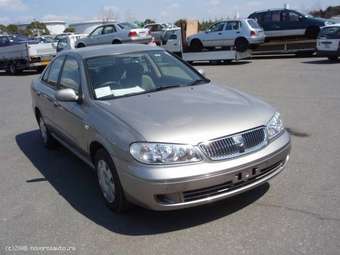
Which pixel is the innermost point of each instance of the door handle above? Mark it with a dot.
(219, 33)
(56, 104)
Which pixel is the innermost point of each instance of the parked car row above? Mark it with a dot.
(260, 27)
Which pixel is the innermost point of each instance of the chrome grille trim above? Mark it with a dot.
(226, 148)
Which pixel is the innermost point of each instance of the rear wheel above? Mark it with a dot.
(116, 42)
(241, 44)
(196, 45)
(13, 69)
(109, 182)
(81, 45)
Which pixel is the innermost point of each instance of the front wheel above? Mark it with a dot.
(241, 44)
(46, 136)
(109, 182)
(196, 45)
(333, 58)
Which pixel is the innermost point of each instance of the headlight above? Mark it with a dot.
(275, 126)
(160, 153)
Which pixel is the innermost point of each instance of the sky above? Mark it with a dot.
(20, 11)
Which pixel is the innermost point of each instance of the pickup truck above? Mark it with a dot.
(18, 56)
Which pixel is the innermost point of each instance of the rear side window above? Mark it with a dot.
(70, 76)
(109, 30)
(253, 24)
(232, 25)
(55, 71)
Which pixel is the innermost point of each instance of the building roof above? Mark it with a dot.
(91, 22)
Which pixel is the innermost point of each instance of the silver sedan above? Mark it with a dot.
(157, 132)
(115, 33)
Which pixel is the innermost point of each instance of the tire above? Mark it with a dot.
(13, 70)
(81, 45)
(40, 69)
(46, 137)
(116, 42)
(312, 32)
(196, 45)
(333, 58)
(241, 44)
(109, 183)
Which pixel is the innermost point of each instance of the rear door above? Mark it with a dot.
(70, 115)
(230, 33)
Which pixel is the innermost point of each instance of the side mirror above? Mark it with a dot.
(67, 95)
(301, 18)
(202, 72)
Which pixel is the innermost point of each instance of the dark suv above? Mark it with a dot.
(280, 23)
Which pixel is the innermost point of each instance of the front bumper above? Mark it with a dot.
(328, 53)
(173, 188)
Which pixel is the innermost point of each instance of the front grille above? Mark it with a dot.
(229, 186)
(227, 147)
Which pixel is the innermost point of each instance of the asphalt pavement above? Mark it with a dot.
(49, 199)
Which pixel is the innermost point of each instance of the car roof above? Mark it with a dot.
(275, 9)
(107, 50)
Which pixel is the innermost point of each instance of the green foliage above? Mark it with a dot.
(12, 29)
(205, 24)
(36, 28)
(330, 12)
(149, 21)
(70, 30)
(3, 28)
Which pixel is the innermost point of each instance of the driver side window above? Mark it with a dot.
(70, 76)
(96, 32)
(217, 27)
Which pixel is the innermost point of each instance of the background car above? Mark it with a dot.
(242, 34)
(156, 31)
(288, 23)
(328, 43)
(116, 33)
(68, 42)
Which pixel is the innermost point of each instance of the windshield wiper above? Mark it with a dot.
(164, 88)
(198, 81)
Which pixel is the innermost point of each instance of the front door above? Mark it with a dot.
(70, 115)
(214, 36)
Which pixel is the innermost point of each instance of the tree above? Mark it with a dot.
(70, 30)
(149, 21)
(37, 28)
(330, 12)
(3, 28)
(12, 29)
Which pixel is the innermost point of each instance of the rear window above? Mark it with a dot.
(330, 32)
(253, 24)
(127, 25)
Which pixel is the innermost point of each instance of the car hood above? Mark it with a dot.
(190, 114)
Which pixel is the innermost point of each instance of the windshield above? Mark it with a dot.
(330, 32)
(138, 73)
(127, 25)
